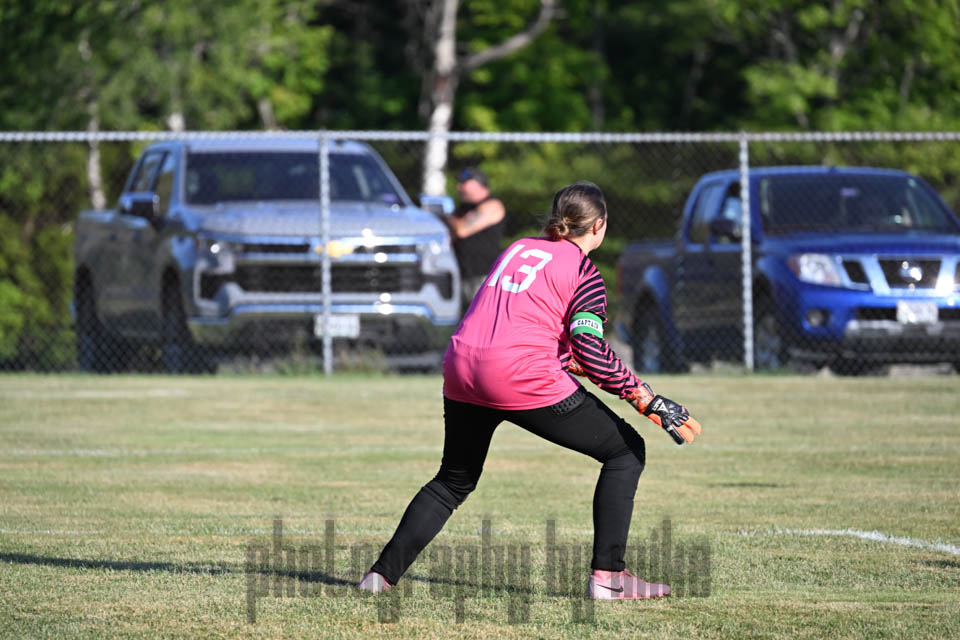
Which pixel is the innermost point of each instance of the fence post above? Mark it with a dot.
(325, 255)
(746, 252)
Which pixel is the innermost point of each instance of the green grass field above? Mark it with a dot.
(127, 506)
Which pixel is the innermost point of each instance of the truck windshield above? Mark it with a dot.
(258, 176)
(882, 203)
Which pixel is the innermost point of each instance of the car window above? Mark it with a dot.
(731, 203)
(359, 178)
(165, 182)
(916, 207)
(260, 176)
(850, 202)
(730, 210)
(143, 181)
(706, 205)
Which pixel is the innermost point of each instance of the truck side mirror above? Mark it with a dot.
(726, 228)
(142, 205)
(439, 205)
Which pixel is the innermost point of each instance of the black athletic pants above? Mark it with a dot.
(581, 422)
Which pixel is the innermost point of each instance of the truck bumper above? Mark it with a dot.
(865, 326)
(885, 341)
(405, 327)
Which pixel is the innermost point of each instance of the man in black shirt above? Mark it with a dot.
(477, 230)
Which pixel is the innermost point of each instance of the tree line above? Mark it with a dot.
(598, 65)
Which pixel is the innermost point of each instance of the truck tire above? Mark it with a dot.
(852, 367)
(90, 340)
(653, 350)
(180, 354)
(769, 345)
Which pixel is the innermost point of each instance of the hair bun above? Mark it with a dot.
(575, 208)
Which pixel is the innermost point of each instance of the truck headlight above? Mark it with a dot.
(432, 250)
(816, 268)
(439, 245)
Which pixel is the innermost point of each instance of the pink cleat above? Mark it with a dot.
(374, 583)
(622, 585)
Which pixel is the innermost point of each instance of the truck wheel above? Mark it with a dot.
(769, 346)
(653, 351)
(847, 367)
(180, 354)
(90, 343)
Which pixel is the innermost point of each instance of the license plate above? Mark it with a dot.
(342, 325)
(910, 312)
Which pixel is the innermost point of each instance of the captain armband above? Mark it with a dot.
(586, 322)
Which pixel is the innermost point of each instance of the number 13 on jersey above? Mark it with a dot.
(529, 269)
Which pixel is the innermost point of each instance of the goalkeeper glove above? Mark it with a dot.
(570, 365)
(670, 416)
(574, 367)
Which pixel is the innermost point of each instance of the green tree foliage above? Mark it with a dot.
(35, 253)
(117, 65)
(539, 88)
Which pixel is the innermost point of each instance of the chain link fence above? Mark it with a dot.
(303, 251)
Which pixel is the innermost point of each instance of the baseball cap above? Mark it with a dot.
(471, 173)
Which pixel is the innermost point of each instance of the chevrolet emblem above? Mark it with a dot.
(335, 249)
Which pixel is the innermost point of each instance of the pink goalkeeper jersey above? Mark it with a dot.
(510, 347)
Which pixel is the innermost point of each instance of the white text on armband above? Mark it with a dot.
(586, 322)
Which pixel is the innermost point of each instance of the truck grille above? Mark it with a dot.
(308, 279)
(304, 247)
(262, 247)
(855, 272)
(359, 278)
(900, 273)
(876, 313)
(387, 248)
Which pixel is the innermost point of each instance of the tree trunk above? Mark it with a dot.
(88, 94)
(906, 80)
(595, 92)
(94, 173)
(446, 77)
(441, 97)
(267, 117)
(700, 56)
(176, 122)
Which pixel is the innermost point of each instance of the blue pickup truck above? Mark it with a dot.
(853, 268)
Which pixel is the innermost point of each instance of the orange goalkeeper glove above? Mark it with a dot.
(570, 365)
(670, 416)
(574, 367)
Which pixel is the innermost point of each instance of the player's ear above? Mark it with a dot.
(598, 224)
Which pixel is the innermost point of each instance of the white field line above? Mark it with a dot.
(873, 536)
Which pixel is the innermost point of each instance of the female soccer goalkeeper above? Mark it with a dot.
(537, 318)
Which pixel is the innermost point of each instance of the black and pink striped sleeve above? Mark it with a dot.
(598, 361)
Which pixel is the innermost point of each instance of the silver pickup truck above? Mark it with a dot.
(215, 246)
